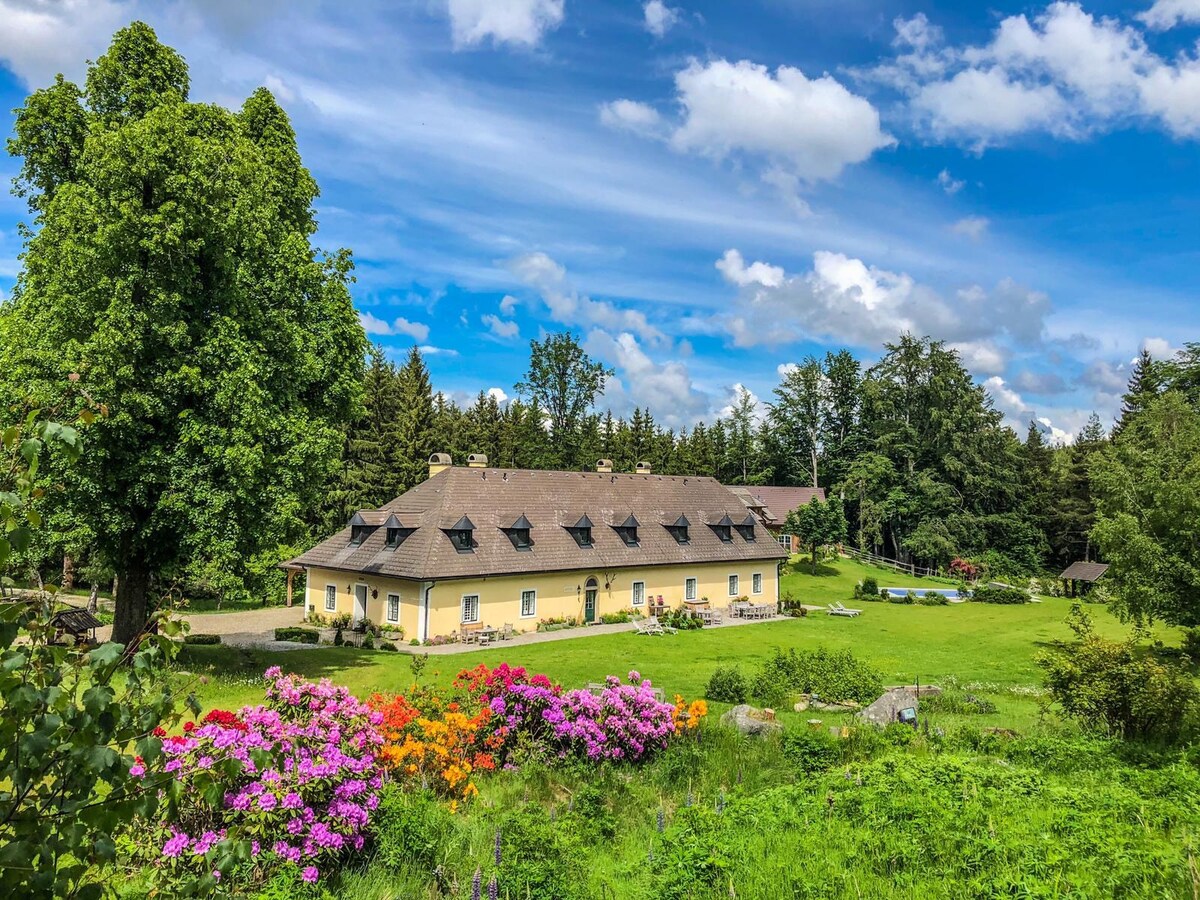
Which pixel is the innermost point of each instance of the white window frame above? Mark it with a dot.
(735, 585)
(463, 610)
(756, 583)
(689, 588)
(331, 594)
(784, 541)
(633, 594)
(388, 608)
(533, 606)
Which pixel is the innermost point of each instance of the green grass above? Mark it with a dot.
(992, 648)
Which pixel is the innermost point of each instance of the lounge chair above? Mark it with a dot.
(650, 626)
(836, 609)
(507, 631)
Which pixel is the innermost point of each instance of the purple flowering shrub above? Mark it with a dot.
(621, 722)
(291, 783)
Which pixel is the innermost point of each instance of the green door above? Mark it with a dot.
(589, 602)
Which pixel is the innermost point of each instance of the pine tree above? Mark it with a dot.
(415, 431)
(1145, 385)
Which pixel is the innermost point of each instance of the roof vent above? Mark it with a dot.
(604, 465)
(643, 468)
(439, 462)
(477, 460)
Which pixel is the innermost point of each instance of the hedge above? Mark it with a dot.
(202, 639)
(1007, 595)
(297, 635)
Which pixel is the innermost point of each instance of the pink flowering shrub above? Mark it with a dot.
(289, 783)
(621, 722)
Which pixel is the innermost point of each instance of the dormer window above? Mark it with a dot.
(396, 532)
(679, 530)
(746, 529)
(360, 529)
(627, 531)
(518, 533)
(723, 530)
(462, 535)
(581, 531)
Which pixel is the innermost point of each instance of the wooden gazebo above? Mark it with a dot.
(1087, 573)
(75, 622)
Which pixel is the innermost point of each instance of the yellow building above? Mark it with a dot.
(478, 545)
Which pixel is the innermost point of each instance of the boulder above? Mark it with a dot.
(827, 706)
(750, 720)
(886, 709)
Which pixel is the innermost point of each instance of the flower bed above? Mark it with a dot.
(291, 783)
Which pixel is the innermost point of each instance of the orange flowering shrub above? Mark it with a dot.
(688, 716)
(438, 748)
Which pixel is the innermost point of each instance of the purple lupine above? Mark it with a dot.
(662, 821)
(476, 885)
(720, 802)
(493, 889)
(496, 848)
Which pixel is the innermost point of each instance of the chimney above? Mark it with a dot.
(439, 462)
(643, 468)
(604, 465)
(477, 460)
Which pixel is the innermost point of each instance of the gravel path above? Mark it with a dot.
(252, 628)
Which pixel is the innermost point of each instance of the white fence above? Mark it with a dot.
(886, 562)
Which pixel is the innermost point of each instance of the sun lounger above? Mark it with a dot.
(650, 626)
(836, 609)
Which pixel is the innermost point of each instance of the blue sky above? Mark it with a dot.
(706, 192)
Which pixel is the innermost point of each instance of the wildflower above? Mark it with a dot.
(662, 821)
(496, 849)
(493, 889)
(476, 885)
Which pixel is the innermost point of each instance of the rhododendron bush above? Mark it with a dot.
(289, 783)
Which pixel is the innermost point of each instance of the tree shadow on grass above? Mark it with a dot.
(243, 662)
(823, 570)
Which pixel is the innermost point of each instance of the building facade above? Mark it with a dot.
(772, 504)
(478, 545)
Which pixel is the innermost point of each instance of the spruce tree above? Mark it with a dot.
(416, 438)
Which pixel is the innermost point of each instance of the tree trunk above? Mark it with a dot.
(68, 578)
(133, 605)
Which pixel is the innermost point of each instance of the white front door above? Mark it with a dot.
(360, 602)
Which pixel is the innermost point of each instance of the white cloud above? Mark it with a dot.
(1018, 413)
(812, 127)
(501, 328)
(518, 22)
(499, 394)
(374, 325)
(659, 17)
(982, 357)
(971, 226)
(1106, 377)
(785, 369)
(1064, 72)
(844, 299)
(1166, 14)
(949, 183)
(630, 115)
(429, 350)
(570, 307)
(508, 304)
(40, 38)
(1159, 348)
(666, 387)
(735, 270)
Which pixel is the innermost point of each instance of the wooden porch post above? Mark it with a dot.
(291, 576)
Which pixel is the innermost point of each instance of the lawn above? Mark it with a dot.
(991, 648)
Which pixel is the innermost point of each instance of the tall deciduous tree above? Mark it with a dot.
(798, 417)
(171, 266)
(562, 381)
(818, 523)
(1146, 484)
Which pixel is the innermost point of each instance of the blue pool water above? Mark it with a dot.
(948, 593)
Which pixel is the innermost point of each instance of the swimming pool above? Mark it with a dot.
(948, 593)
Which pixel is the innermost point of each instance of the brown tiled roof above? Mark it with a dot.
(494, 498)
(776, 502)
(1084, 571)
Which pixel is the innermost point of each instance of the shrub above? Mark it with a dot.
(297, 635)
(727, 685)
(908, 598)
(341, 621)
(202, 640)
(933, 598)
(681, 620)
(615, 618)
(538, 859)
(1191, 645)
(1004, 595)
(811, 750)
(1112, 686)
(291, 784)
(870, 587)
(411, 829)
(835, 675)
(338, 638)
(958, 703)
(388, 645)
(415, 642)
(368, 642)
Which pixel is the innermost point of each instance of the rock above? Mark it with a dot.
(826, 706)
(801, 706)
(749, 720)
(886, 709)
(927, 690)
